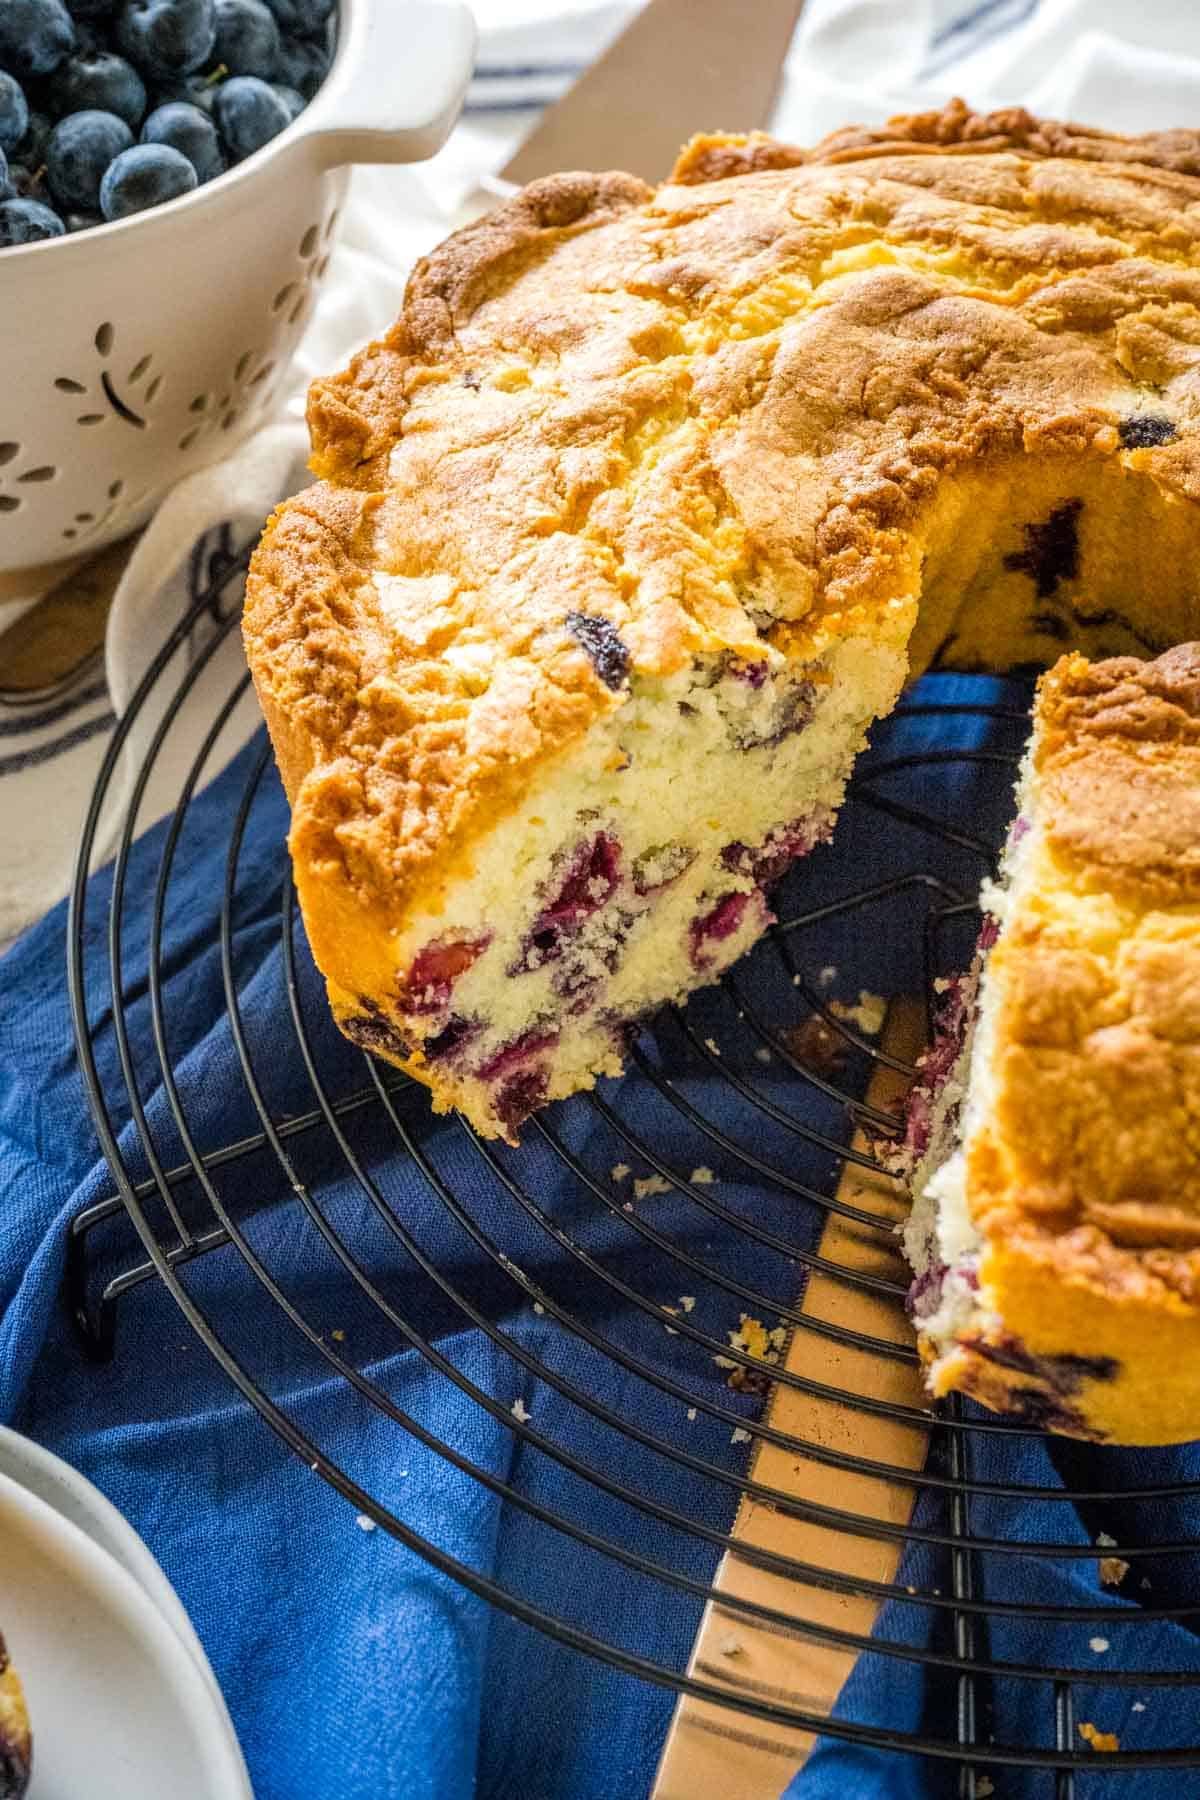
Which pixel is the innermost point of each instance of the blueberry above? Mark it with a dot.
(14, 111)
(302, 64)
(247, 38)
(91, 35)
(603, 645)
(191, 132)
(98, 80)
(190, 90)
(35, 35)
(249, 113)
(291, 99)
(27, 222)
(301, 17)
(7, 186)
(1142, 431)
(32, 148)
(147, 175)
(80, 149)
(166, 38)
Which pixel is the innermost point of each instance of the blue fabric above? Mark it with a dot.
(1145, 1717)
(351, 1665)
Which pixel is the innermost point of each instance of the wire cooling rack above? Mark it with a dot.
(732, 1081)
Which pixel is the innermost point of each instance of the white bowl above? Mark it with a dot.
(119, 1708)
(49, 1479)
(138, 351)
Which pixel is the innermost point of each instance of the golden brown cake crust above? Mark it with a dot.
(1120, 760)
(589, 405)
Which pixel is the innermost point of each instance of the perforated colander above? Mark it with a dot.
(138, 351)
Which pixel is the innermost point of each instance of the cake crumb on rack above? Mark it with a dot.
(762, 1054)
(827, 976)
(691, 1413)
(363, 1523)
(1139, 1706)
(620, 1172)
(339, 1337)
(712, 1046)
(688, 1302)
(749, 1381)
(702, 1176)
(650, 1184)
(983, 1787)
(730, 1644)
(740, 1435)
(868, 1014)
(520, 1412)
(816, 1046)
(1113, 1569)
(753, 1337)
(539, 1309)
(1099, 1740)
(1098, 1645)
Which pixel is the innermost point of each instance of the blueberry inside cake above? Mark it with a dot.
(650, 503)
(16, 1744)
(1053, 1138)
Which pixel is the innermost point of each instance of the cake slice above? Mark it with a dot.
(16, 1743)
(632, 869)
(1053, 1136)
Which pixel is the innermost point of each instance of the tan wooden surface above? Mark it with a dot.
(713, 1753)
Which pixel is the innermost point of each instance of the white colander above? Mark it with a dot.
(135, 352)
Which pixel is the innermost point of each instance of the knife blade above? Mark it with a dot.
(680, 66)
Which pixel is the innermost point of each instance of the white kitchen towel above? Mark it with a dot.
(1129, 64)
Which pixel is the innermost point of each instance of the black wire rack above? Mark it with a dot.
(726, 1081)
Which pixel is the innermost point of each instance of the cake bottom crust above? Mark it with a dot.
(1072, 1355)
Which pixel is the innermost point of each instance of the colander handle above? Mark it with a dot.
(397, 83)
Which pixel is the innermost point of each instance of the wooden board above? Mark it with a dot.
(710, 1750)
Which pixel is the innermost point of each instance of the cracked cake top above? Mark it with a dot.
(717, 416)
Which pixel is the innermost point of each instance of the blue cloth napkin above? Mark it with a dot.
(352, 1666)
(1142, 1717)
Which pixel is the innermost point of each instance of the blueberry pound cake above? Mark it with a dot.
(1055, 1129)
(16, 1744)
(650, 503)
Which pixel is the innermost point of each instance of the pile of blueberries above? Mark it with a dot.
(110, 106)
